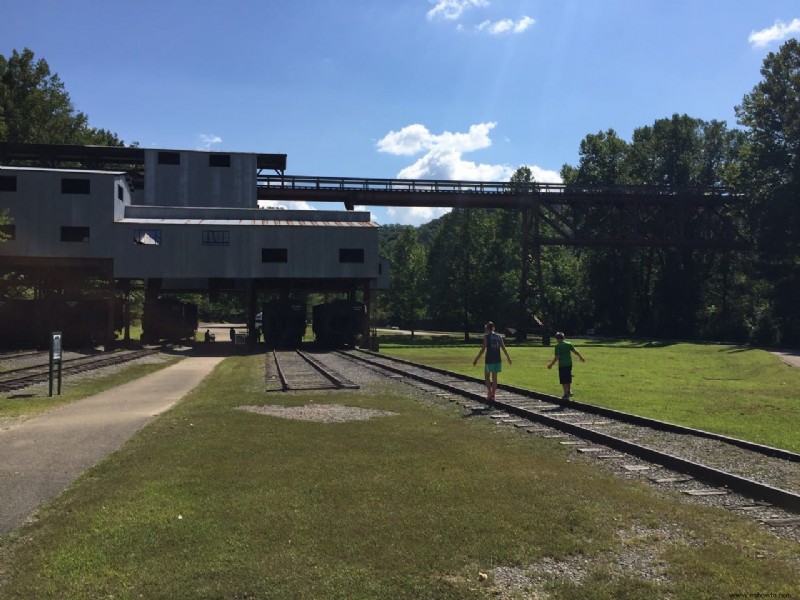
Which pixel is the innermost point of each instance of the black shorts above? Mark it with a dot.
(565, 374)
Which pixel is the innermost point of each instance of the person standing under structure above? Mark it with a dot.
(492, 345)
(563, 354)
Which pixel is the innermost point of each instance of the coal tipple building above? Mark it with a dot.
(176, 221)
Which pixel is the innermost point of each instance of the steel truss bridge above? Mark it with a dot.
(553, 214)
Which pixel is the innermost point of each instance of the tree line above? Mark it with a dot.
(472, 265)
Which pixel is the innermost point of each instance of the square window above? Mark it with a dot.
(169, 158)
(147, 237)
(219, 160)
(216, 237)
(8, 183)
(75, 186)
(351, 255)
(75, 234)
(274, 255)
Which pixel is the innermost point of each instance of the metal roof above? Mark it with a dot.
(51, 170)
(109, 155)
(249, 222)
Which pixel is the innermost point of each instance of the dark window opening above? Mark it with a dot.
(8, 232)
(351, 255)
(169, 158)
(213, 237)
(75, 186)
(219, 160)
(120, 193)
(75, 234)
(8, 183)
(147, 237)
(274, 255)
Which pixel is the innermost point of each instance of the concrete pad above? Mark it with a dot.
(40, 457)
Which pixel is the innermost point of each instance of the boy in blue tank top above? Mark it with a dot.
(492, 345)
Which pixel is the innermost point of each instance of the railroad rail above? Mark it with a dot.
(15, 379)
(17, 354)
(298, 370)
(671, 446)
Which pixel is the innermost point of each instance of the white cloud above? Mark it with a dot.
(206, 141)
(443, 154)
(415, 215)
(451, 10)
(416, 138)
(545, 175)
(446, 164)
(442, 158)
(506, 26)
(523, 24)
(779, 31)
(287, 205)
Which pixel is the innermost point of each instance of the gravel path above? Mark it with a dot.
(790, 357)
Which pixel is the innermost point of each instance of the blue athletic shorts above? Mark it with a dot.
(565, 374)
(494, 367)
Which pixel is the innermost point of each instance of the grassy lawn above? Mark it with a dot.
(740, 392)
(213, 502)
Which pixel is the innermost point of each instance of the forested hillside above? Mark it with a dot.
(468, 265)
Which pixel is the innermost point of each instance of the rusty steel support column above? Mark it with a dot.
(523, 317)
(109, 343)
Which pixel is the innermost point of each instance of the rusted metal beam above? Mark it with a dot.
(657, 216)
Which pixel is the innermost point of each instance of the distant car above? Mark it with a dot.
(591, 331)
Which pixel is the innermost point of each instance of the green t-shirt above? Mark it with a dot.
(564, 353)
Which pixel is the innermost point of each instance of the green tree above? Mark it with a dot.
(5, 219)
(633, 290)
(608, 274)
(771, 112)
(524, 226)
(463, 274)
(603, 160)
(408, 269)
(36, 108)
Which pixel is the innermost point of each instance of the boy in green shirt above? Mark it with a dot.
(563, 354)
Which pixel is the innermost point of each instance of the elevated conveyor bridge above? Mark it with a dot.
(555, 214)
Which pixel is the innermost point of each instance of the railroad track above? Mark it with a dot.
(297, 370)
(23, 377)
(17, 354)
(696, 459)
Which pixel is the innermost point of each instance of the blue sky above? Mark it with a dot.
(434, 89)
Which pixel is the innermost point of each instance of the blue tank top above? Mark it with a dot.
(493, 341)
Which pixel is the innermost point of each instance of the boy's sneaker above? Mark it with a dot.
(565, 396)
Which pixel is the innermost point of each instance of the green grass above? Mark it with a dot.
(212, 502)
(741, 392)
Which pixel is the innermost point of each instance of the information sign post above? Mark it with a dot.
(55, 359)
